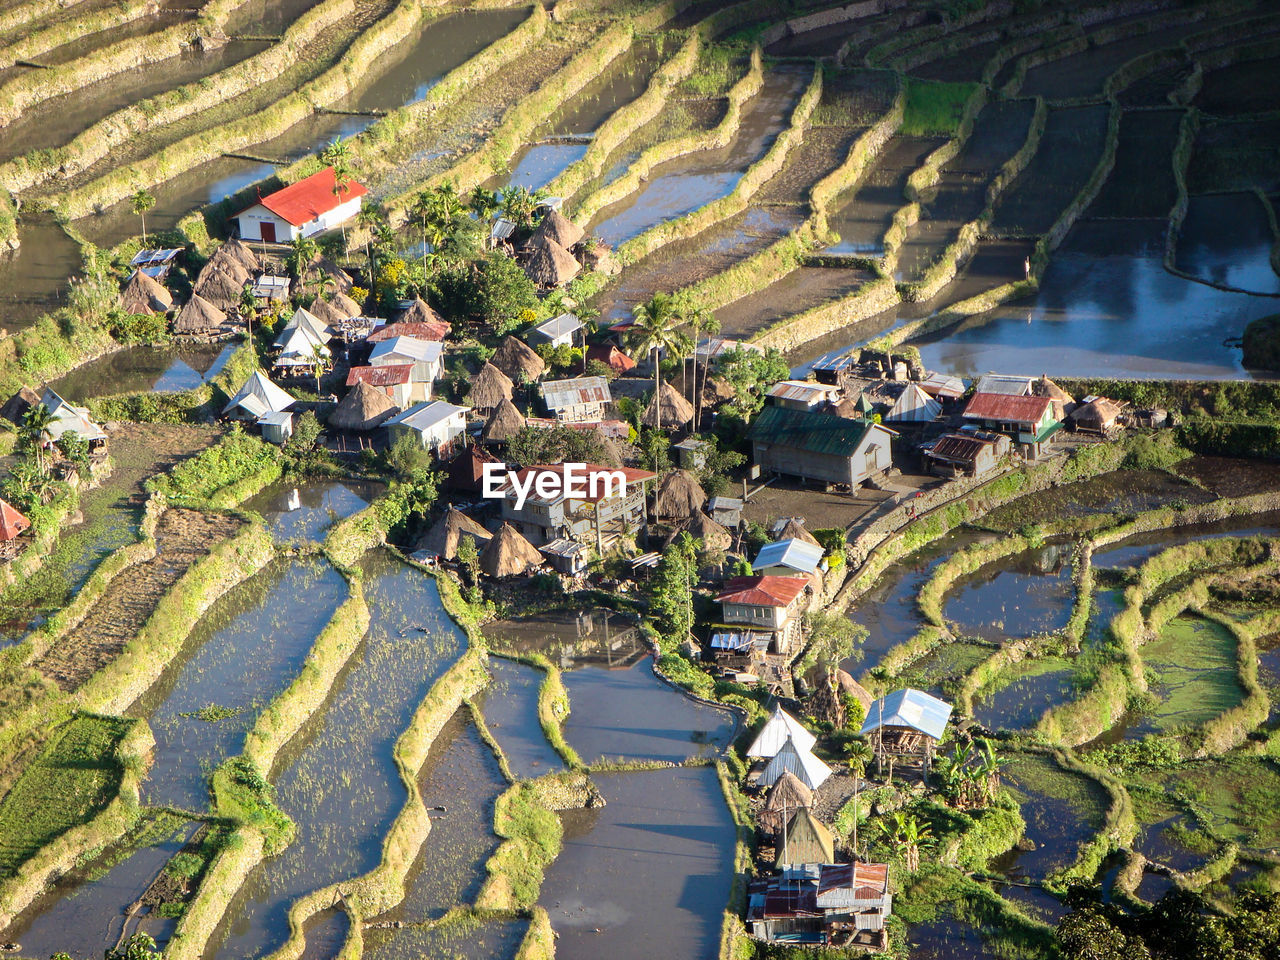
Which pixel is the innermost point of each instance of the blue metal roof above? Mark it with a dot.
(908, 708)
(796, 554)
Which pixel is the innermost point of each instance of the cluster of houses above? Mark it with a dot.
(812, 890)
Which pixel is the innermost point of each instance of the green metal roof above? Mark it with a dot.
(811, 432)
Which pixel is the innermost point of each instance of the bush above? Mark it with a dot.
(137, 328)
(236, 457)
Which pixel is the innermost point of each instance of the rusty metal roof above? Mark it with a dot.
(560, 394)
(999, 406)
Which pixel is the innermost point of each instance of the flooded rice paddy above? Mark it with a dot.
(1062, 810)
(487, 939)
(1032, 689)
(1226, 240)
(510, 707)
(174, 367)
(306, 511)
(1022, 596)
(35, 277)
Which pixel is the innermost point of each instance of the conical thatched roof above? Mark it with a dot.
(198, 316)
(219, 287)
(794, 529)
(505, 423)
(555, 226)
(16, 407)
(490, 388)
(667, 409)
(550, 265)
(345, 305)
(229, 264)
(443, 538)
(785, 797)
(517, 360)
(144, 294)
(679, 495)
(240, 252)
(420, 312)
(327, 312)
(509, 554)
(702, 527)
(365, 407)
(612, 454)
(323, 265)
(1044, 387)
(847, 409)
(808, 840)
(856, 690)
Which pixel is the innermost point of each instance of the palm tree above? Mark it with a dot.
(987, 773)
(657, 331)
(249, 305)
(483, 203)
(519, 204)
(341, 180)
(142, 201)
(300, 257)
(34, 424)
(319, 363)
(909, 836)
(420, 207)
(858, 756)
(703, 322)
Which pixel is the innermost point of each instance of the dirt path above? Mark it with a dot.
(182, 537)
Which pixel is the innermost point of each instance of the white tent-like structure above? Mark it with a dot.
(305, 320)
(258, 396)
(801, 763)
(780, 728)
(914, 406)
(300, 348)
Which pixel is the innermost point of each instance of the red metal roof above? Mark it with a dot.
(385, 376)
(869, 881)
(310, 197)
(611, 355)
(12, 522)
(998, 406)
(765, 591)
(419, 331)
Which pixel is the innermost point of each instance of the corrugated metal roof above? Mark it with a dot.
(942, 385)
(310, 197)
(908, 708)
(851, 885)
(811, 771)
(1007, 384)
(802, 390)
(560, 394)
(811, 432)
(560, 326)
(957, 448)
(419, 351)
(763, 591)
(796, 554)
(388, 375)
(780, 727)
(424, 416)
(1005, 408)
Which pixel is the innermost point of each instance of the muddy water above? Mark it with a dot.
(1121, 491)
(572, 638)
(491, 939)
(462, 778)
(1106, 307)
(1159, 843)
(1134, 551)
(675, 265)
(404, 75)
(317, 507)
(947, 939)
(510, 705)
(959, 198)
(862, 222)
(175, 367)
(1137, 186)
(244, 651)
(1020, 596)
(87, 44)
(888, 610)
(687, 183)
(58, 120)
(1226, 239)
(1037, 686)
(85, 917)
(799, 290)
(648, 874)
(539, 165)
(34, 279)
(337, 780)
(1062, 810)
(940, 670)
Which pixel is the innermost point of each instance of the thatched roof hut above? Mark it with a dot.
(1099, 415)
(509, 554)
(443, 538)
(794, 529)
(854, 689)
(321, 266)
(808, 840)
(550, 265)
(219, 287)
(364, 408)
(198, 317)
(559, 229)
(240, 252)
(786, 796)
(327, 312)
(1044, 387)
(229, 264)
(16, 407)
(504, 424)
(702, 527)
(517, 360)
(667, 409)
(145, 295)
(489, 389)
(345, 305)
(679, 496)
(420, 312)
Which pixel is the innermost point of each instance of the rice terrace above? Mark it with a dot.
(639, 479)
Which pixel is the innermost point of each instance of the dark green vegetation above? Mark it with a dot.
(1262, 343)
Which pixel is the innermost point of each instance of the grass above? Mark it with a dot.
(1193, 668)
(934, 107)
(236, 458)
(75, 776)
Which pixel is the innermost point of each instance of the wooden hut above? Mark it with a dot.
(906, 725)
(364, 408)
(145, 295)
(443, 538)
(239, 251)
(16, 407)
(198, 317)
(679, 496)
(327, 313)
(785, 797)
(345, 305)
(220, 288)
(1099, 415)
(701, 527)
(229, 264)
(518, 361)
(420, 312)
(418, 331)
(806, 840)
(322, 266)
(505, 422)
(559, 229)
(490, 388)
(667, 409)
(851, 687)
(550, 265)
(508, 554)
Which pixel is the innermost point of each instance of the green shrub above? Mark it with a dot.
(233, 459)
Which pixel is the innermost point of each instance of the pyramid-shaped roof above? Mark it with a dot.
(908, 708)
(258, 396)
(365, 407)
(811, 771)
(12, 522)
(780, 728)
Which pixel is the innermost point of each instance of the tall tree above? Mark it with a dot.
(142, 201)
(657, 331)
(303, 251)
(34, 423)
